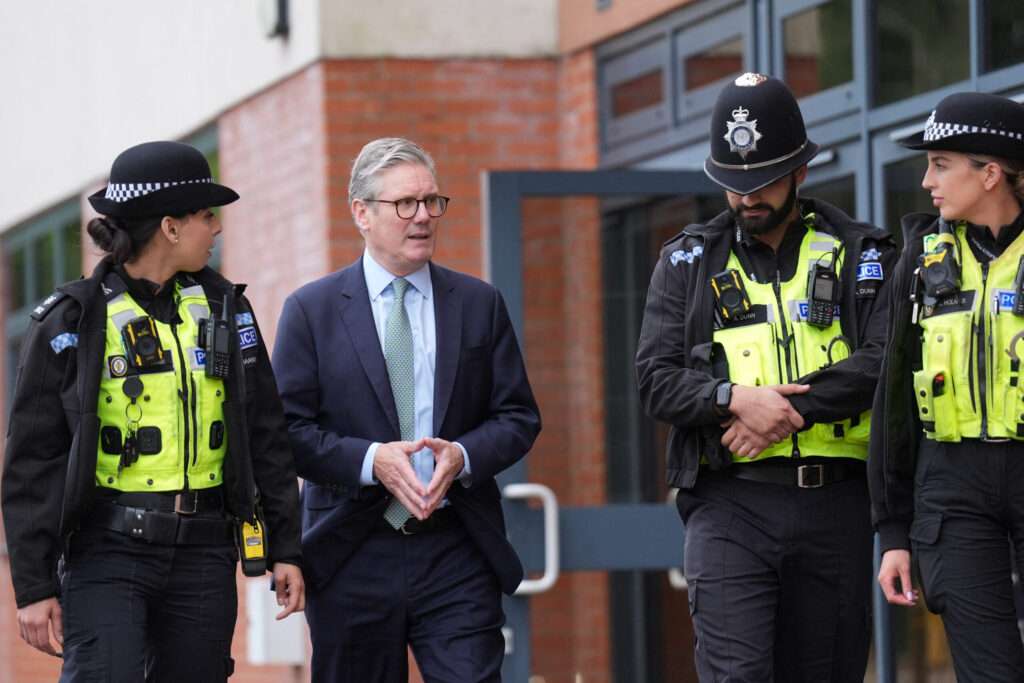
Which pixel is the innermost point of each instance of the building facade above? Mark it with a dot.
(281, 100)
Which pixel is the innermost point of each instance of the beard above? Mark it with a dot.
(771, 220)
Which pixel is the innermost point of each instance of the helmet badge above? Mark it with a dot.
(741, 134)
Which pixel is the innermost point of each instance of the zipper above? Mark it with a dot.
(982, 366)
(183, 392)
(970, 366)
(786, 339)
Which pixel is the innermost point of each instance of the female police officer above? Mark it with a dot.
(145, 429)
(952, 376)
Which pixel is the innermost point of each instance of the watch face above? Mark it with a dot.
(723, 395)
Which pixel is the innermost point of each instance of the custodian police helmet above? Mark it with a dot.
(757, 134)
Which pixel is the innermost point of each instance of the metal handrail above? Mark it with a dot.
(551, 545)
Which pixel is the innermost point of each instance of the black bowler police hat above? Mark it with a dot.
(974, 123)
(160, 179)
(757, 134)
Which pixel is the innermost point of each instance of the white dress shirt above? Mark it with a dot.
(419, 305)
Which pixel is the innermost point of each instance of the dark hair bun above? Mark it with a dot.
(110, 236)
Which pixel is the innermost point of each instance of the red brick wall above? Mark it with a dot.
(564, 330)
(288, 151)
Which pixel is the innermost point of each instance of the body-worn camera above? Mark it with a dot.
(731, 300)
(940, 270)
(142, 344)
(821, 294)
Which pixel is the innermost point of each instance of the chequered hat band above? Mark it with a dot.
(122, 192)
(935, 130)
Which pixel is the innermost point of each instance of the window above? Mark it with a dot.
(840, 193)
(709, 54)
(718, 62)
(920, 45)
(903, 191)
(637, 93)
(1003, 26)
(635, 98)
(38, 256)
(818, 48)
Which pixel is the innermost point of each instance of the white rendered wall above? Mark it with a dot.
(440, 28)
(80, 80)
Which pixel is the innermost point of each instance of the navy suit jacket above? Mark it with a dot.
(337, 400)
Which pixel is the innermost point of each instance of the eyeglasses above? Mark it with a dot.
(406, 207)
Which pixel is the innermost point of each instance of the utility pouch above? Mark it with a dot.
(936, 404)
(252, 545)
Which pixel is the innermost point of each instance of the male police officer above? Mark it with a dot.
(761, 344)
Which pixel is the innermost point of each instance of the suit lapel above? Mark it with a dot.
(448, 328)
(358, 318)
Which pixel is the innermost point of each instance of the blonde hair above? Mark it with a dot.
(1013, 169)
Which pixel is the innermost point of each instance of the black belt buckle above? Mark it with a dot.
(810, 476)
(181, 502)
(411, 527)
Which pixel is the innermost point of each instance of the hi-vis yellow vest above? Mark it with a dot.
(969, 382)
(778, 346)
(180, 409)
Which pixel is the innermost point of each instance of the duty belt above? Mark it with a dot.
(810, 476)
(183, 502)
(163, 528)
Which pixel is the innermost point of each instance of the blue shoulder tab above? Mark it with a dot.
(40, 311)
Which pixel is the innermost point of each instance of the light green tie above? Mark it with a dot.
(398, 355)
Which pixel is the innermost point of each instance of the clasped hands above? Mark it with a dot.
(761, 416)
(392, 467)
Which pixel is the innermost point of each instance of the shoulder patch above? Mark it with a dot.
(63, 341)
(870, 254)
(689, 256)
(47, 304)
(242, 319)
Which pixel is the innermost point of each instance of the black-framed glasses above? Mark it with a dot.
(406, 207)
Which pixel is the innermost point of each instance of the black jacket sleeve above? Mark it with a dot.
(273, 465)
(38, 442)
(846, 389)
(670, 389)
(895, 428)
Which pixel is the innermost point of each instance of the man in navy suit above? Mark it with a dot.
(405, 393)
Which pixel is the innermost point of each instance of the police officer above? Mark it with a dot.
(947, 443)
(145, 437)
(761, 342)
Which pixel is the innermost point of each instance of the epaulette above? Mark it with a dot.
(47, 305)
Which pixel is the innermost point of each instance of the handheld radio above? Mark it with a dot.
(821, 293)
(215, 338)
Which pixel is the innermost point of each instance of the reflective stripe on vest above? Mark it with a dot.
(778, 346)
(192, 438)
(969, 382)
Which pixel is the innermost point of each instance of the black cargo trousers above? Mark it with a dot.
(968, 528)
(156, 609)
(779, 578)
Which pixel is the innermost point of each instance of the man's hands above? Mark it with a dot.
(762, 416)
(36, 621)
(392, 468)
(290, 588)
(448, 464)
(896, 566)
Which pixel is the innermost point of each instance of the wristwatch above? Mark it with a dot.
(723, 397)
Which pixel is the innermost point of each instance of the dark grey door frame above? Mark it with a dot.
(608, 537)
